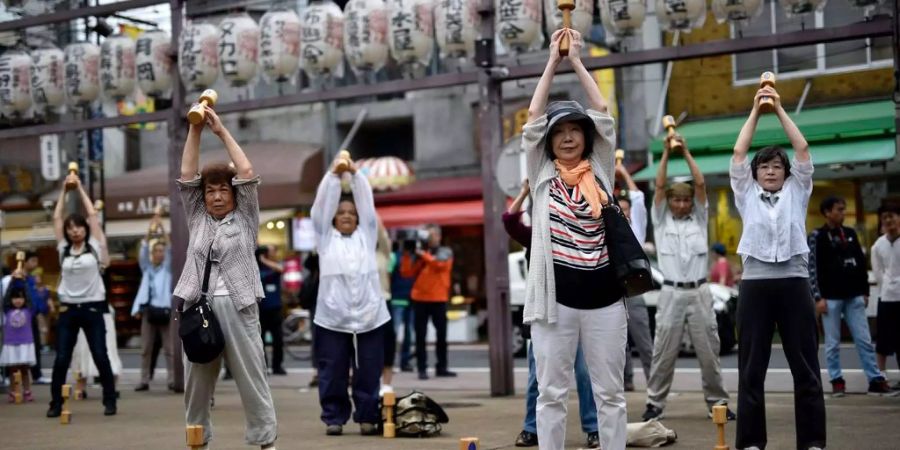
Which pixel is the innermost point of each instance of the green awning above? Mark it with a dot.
(823, 154)
(854, 121)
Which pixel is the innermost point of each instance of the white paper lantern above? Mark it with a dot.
(411, 30)
(623, 17)
(238, 47)
(154, 65)
(15, 82)
(518, 23)
(198, 55)
(386, 173)
(48, 77)
(865, 4)
(279, 44)
(117, 66)
(456, 24)
(801, 7)
(582, 16)
(322, 39)
(680, 15)
(82, 67)
(365, 34)
(736, 10)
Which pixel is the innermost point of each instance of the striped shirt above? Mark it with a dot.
(585, 279)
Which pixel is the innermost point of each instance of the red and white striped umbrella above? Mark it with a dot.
(386, 173)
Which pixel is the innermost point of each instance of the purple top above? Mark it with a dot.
(520, 232)
(17, 327)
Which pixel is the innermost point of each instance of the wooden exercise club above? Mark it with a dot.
(73, 170)
(468, 443)
(197, 114)
(674, 143)
(767, 104)
(66, 416)
(16, 386)
(566, 6)
(194, 436)
(388, 402)
(720, 418)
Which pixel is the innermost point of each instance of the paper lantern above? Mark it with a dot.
(582, 16)
(279, 44)
(736, 10)
(456, 24)
(623, 17)
(82, 68)
(865, 4)
(322, 39)
(154, 65)
(518, 23)
(680, 15)
(15, 82)
(198, 55)
(365, 34)
(801, 7)
(47, 77)
(411, 30)
(117, 66)
(386, 173)
(238, 48)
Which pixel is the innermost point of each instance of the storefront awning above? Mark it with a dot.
(823, 154)
(451, 213)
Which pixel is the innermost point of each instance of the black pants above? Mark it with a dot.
(270, 320)
(335, 357)
(787, 304)
(437, 311)
(36, 332)
(87, 317)
(390, 339)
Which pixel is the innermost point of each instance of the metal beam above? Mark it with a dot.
(76, 13)
(879, 27)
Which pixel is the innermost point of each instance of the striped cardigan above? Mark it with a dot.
(540, 297)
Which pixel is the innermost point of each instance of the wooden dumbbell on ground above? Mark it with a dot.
(197, 114)
(674, 144)
(80, 386)
(194, 435)
(468, 443)
(388, 402)
(566, 6)
(17, 387)
(66, 416)
(720, 418)
(767, 104)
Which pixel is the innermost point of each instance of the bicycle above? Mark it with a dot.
(296, 330)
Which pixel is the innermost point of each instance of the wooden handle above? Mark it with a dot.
(194, 436)
(197, 114)
(620, 156)
(468, 443)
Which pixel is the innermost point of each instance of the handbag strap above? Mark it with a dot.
(206, 269)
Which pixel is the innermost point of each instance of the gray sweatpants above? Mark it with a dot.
(639, 332)
(677, 306)
(245, 359)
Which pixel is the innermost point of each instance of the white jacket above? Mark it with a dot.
(350, 297)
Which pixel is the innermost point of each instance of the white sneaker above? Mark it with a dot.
(385, 388)
(42, 380)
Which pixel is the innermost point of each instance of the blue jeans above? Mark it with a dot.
(854, 313)
(402, 316)
(587, 409)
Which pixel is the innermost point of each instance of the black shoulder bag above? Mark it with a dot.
(626, 253)
(201, 335)
(155, 315)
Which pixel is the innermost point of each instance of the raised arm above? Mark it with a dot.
(516, 205)
(58, 213)
(745, 137)
(325, 206)
(659, 194)
(93, 220)
(622, 173)
(699, 181)
(365, 207)
(798, 142)
(235, 152)
(190, 156)
(542, 90)
(598, 103)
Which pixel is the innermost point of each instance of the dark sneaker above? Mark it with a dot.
(629, 386)
(593, 440)
(838, 387)
(314, 382)
(896, 386)
(334, 430)
(445, 374)
(54, 411)
(368, 429)
(109, 409)
(142, 387)
(423, 375)
(652, 412)
(526, 439)
(406, 368)
(279, 371)
(880, 387)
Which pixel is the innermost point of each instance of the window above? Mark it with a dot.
(809, 60)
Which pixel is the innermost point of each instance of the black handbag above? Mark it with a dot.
(201, 335)
(626, 253)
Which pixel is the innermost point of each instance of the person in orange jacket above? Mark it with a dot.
(429, 296)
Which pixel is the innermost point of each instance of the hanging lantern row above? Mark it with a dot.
(411, 30)
(238, 48)
(48, 78)
(736, 11)
(623, 17)
(365, 34)
(82, 69)
(117, 66)
(279, 44)
(153, 64)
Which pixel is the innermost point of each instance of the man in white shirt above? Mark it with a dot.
(680, 225)
(886, 268)
(638, 318)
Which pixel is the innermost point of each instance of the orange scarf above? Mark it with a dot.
(582, 175)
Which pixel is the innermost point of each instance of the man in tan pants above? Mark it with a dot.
(152, 306)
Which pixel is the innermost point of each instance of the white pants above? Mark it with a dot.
(603, 334)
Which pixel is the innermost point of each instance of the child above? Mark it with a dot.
(18, 341)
